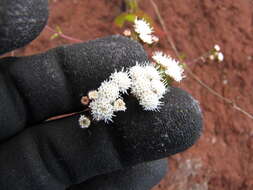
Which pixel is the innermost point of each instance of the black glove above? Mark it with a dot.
(55, 155)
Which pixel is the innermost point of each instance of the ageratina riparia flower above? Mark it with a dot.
(150, 102)
(119, 105)
(216, 54)
(171, 66)
(108, 90)
(145, 83)
(107, 96)
(121, 80)
(144, 31)
(84, 121)
(136, 72)
(146, 38)
(102, 109)
(217, 47)
(152, 73)
(143, 80)
(142, 27)
(158, 88)
(220, 56)
(93, 94)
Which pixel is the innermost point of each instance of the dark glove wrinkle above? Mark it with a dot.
(13, 111)
(21, 21)
(139, 177)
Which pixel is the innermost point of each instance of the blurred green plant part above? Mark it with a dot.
(142, 15)
(131, 14)
(57, 34)
(132, 5)
(122, 18)
(182, 57)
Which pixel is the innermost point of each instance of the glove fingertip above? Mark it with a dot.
(145, 136)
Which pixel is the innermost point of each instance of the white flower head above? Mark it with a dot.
(220, 56)
(155, 38)
(217, 47)
(146, 38)
(147, 86)
(158, 88)
(101, 109)
(93, 94)
(172, 66)
(212, 57)
(152, 73)
(122, 80)
(119, 105)
(163, 59)
(144, 30)
(140, 87)
(175, 72)
(142, 27)
(127, 32)
(150, 102)
(108, 90)
(136, 72)
(145, 83)
(84, 121)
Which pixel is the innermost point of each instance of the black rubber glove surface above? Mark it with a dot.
(55, 155)
(21, 21)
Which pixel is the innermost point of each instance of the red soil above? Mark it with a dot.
(223, 157)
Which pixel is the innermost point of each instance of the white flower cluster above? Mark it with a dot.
(147, 86)
(145, 83)
(106, 100)
(217, 54)
(171, 66)
(144, 31)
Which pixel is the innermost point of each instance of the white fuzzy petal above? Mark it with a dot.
(142, 27)
(122, 80)
(108, 90)
(101, 109)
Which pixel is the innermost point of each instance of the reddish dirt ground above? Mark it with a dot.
(223, 157)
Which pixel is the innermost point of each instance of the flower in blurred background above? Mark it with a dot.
(144, 31)
(170, 66)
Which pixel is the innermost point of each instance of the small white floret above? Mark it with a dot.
(119, 105)
(220, 56)
(146, 38)
(172, 67)
(147, 86)
(152, 73)
(101, 109)
(175, 72)
(108, 90)
(122, 80)
(155, 39)
(142, 27)
(93, 95)
(163, 59)
(144, 30)
(158, 88)
(212, 57)
(217, 47)
(150, 102)
(136, 72)
(84, 121)
(127, 32)
(140, 87)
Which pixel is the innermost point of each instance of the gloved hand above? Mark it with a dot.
(58, 155)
